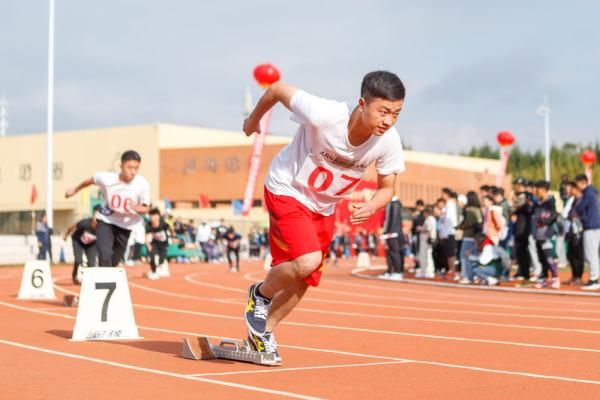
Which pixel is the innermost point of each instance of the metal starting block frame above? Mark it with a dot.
(71, 300)
(199, 348)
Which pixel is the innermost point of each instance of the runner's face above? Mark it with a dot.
(154, 219)
(129, 169)
(379, 115)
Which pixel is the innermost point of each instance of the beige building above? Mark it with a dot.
(181, 164)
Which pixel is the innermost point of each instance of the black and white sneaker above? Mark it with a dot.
(591, 285)
(257, 311)
(265, 344)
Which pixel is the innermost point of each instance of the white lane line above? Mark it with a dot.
(309, 298)
(156, 371)
(385, 286)
(376, 331)
(261, 371)
(370, 356)
(384, 317)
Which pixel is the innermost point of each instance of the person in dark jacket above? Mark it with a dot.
(544, 218)
(573, 234)
(522, 228)
(587, 209)
(394, 239)
(83, 240)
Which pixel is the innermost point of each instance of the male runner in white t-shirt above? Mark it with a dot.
(325, 161)
(124, 196)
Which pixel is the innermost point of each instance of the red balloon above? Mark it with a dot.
(505, 138)
(266, 74)
(588, 157)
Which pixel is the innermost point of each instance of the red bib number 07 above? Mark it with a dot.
(321, 179)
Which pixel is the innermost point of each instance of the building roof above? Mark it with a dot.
(171, 136)
(179, 137)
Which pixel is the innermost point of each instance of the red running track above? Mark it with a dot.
(349, 339)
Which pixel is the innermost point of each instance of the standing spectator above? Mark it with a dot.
(536, 265)
(484, 190)
(573, 234)
(42, 231)
(439, 258)
(191, 231)
(264, 243)
(233, 247)
(449, 221)
(427, 236)
(587, 209)
(136, 240)
(203, 233)
(372, 243)
(471, 226)
(418, 219)
(522, 229)
(253, 244)
(544, 217)
(564, 192)
(392, 229)
(506, 232)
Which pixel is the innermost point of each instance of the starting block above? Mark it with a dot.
(199, 348)
(70, 300)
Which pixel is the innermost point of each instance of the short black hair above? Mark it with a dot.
(154, 211)
(542, 185)
(420, 202)
(570, 183)
(131, 155)
(484, 188)
(581, 177)
(497, 191)
(382, 84)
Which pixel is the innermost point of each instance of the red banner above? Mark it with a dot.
(34, 195)
(363, 193)
(255, 161)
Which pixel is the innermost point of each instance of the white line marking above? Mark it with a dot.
(330, 351)
(156, 371)
(375, 331)
(387, 317)
(411, 308)
(261, 371)
(386, 286)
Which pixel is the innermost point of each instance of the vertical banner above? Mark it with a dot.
(502, 168)
(255, 161)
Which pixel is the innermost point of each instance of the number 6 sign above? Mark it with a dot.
(105, 311)
(36, 282)
(316, 175)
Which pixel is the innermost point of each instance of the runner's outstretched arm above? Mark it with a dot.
(69, 230)
(383, 195)
(278, 92)
(73, 191)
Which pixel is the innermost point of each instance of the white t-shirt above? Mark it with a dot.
(449, 219)
(320, 166)
(118, 197)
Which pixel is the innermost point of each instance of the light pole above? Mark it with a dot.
(544, 111)
(50, 122)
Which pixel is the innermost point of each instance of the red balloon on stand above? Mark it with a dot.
(505, 138)
(266, 74)
(588, 157)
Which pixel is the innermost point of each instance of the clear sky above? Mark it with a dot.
(471, 68)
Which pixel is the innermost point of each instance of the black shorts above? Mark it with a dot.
(449, 246)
